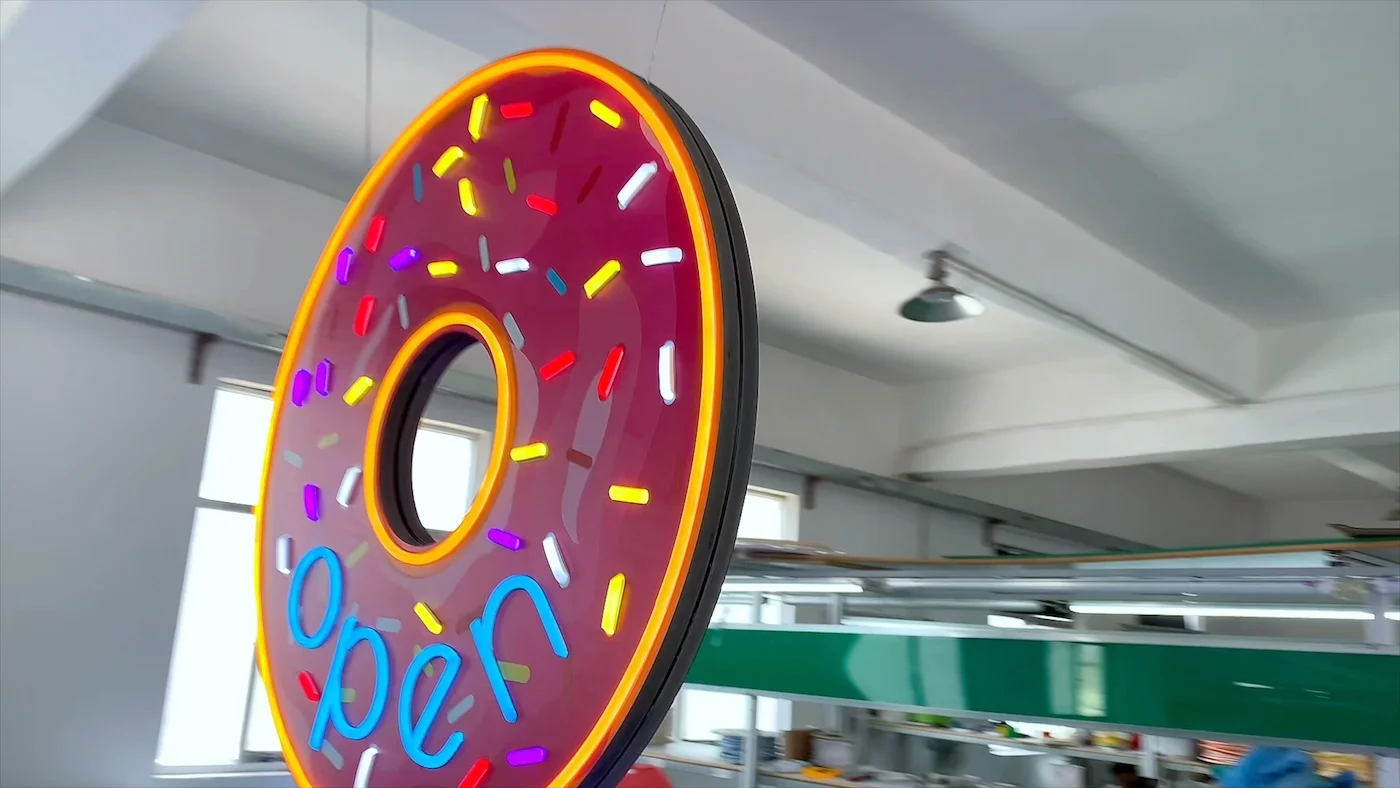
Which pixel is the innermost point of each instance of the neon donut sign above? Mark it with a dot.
(571, 219)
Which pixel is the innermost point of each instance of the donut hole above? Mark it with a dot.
(430, 470)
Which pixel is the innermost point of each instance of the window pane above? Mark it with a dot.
(762, 517)
(262, 732)
(213, 654)
(233, 456)
(442, 478)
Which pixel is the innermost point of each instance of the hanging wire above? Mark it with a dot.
(369, 83)
(656, 41)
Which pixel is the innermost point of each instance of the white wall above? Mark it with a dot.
(1309, 519)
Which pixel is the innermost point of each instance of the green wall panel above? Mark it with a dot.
(1351, 698)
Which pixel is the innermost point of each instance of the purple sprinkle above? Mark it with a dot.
(342, 265)
(311, 498)
(404, 257)
(507, 540)
(301, 387)
(528, 756)
(323, 377)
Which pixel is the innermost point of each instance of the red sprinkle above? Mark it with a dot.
(308, 686)
(579, 458)
(560, 363)
(543, 205)
(520, 109)
(610, 369)
(374, 234)
(476, 774)
(363, 314)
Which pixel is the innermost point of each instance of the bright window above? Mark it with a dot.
(699, 713)
(216, 709)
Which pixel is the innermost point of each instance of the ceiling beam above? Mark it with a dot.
(1364, 467)
(60, 61)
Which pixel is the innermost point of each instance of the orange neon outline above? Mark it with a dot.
(492, 335)
(652, 113)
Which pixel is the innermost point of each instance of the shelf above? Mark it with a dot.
(712, 766)
(1034, 745)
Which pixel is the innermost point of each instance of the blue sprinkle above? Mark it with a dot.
(556, 280)
(418, 183)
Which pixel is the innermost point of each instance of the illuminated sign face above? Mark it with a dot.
(569, 218)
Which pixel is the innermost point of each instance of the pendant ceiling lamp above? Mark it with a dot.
(941, 302)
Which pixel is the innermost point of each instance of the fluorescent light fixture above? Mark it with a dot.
(1148, 609)
(793, 587)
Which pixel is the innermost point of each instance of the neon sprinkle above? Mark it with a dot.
(405, 257)
(484, 252)
(516, 110)
(355, 556)
(530, 451)
(284, 554)
(425, 614)
(476, 775)
(600, 278)
(327, 441)
(556, 281)
(612, 606)
(343, 263)
(455, 713)
(578, 458)
(311, 501)
(332, 755)
(428, 669)
(559, 127)
(323, 377)
(363, 313)
(605, 113)
(442, 269)
(664, 256)
(514, 265)
(346, 494)
(636, 495)
(358, 390)
(308, 686)
(480, 105)
(347, 695)
(374, 234)
(448, 160)
(514, 672)
(510, 175)
(666, 372)
(610, 369)
(366, 766)
(634, 184)
(505, 539)
(588, 184)
(417, 182)
(544, 205)
(557, 365)
(513, 328)
(388, 624)
(555, 557)
(467, 196)
(293, 459)
(403, 312)
(301, 387)
(528, 756)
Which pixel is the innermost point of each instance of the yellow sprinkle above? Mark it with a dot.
(428, 668)
(358, 390)
(467, 195)
(448, 158)
(605, 113)
(356, 555)
(347, 695)
(478, 118)
(425, 614)
(530, 451)
(510, 176)
(612, 606)
(328, 441)
(515, 672)
(604, 275)
(442, 269)
(622, 494)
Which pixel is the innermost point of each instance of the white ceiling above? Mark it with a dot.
(279, 88)
(1298, 475)
(1248, 151)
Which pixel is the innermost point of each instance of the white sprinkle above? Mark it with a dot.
(388, 624)
(332, 755)
(634, 184)
(346, 494)
(666, 372)
(556, 561)
(513, 329)
(292, 458)
(456, 712)
(513, 266)
(485, 257)
(354, 611)
(284, 554)
(403, 312)
(366, 766)
(666, 256)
